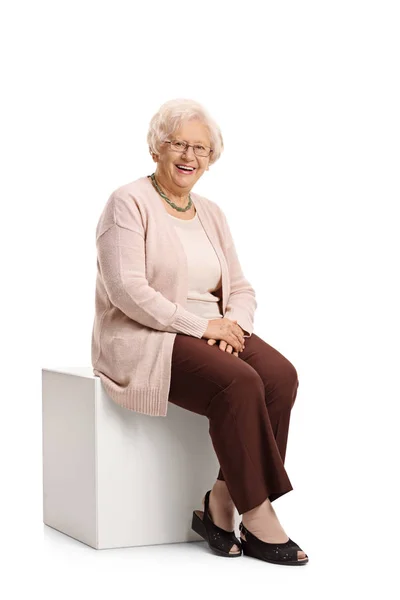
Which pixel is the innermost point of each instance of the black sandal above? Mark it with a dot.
(284, 553)
(219, 540)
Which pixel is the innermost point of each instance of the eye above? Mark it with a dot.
(199, 147)
(179, 144)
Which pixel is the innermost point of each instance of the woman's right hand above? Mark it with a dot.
(227, 330)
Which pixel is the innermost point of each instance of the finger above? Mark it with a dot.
(236, 354)
(238, 329)
(236, 343)
(229, 349)
(222, 345)
(211, 342)
(239, 336)
(241, 331)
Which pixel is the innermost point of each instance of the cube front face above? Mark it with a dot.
(116, 478)
(69, 455)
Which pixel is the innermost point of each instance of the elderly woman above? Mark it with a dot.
(174, 323)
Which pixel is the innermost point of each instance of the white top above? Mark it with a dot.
(204, 269)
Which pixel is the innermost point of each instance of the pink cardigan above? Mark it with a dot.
(141, 292)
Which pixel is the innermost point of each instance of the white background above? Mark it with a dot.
(307, 97)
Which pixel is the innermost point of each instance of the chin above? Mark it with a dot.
(181, 181)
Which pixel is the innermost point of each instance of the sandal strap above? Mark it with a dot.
(283, 551)
(218, 538)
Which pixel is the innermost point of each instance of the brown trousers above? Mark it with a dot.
(248, 401)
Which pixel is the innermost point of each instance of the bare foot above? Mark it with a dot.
(263, 522)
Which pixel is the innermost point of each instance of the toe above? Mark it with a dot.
(301, 555)
(234, 550)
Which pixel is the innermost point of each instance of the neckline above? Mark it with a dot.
(161, 201)
(183, 220)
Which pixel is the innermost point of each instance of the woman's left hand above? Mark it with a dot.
(223, 346)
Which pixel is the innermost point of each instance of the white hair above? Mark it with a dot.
(172, 114)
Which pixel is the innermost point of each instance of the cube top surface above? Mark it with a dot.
(79, 371)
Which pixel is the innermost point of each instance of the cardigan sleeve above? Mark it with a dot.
(121, 259)
(242, 303)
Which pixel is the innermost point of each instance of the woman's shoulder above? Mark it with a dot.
(125, 207)
(134, 189)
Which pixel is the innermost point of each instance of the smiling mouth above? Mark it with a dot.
(186, 171)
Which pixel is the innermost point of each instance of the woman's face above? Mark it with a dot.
(193, 132)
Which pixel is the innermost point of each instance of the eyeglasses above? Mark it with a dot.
(198, 149)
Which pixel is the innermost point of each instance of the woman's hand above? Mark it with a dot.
(223, 346)
(227, 330)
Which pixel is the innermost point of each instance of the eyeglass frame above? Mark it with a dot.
(188, 146)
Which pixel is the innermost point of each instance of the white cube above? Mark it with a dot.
(115, 478)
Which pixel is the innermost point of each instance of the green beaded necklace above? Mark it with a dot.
(154, 182)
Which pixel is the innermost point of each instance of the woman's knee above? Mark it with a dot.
(290, 374)
(284, 384)
(293, 379)
(247, 389)
(285, 374)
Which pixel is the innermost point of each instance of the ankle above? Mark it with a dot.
(259, 511)
(220, 495)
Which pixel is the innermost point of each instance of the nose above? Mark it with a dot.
(188, 150)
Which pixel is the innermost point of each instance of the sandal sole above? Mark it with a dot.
(199, 528)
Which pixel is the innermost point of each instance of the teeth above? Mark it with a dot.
(187, 168)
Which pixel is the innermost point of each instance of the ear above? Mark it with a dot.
(154, 156)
